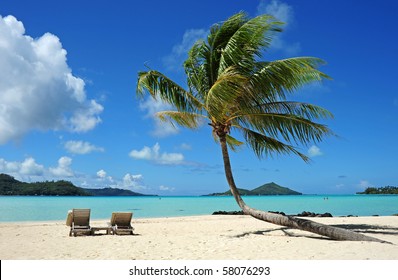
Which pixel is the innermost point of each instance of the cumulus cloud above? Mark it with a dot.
(27, 167)
(29, 170)
(282, 12)
(38, 89)
(80, 147)
(152, 106)
(133, 182)
(30, 167)
(314, 151)
(63, 169)
(174, 61)
(130, 180)
(153, 154)
(101, 174)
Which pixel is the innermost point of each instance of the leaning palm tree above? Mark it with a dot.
(232, 90)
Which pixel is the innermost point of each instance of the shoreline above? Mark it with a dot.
(207, 237)
(230, 213)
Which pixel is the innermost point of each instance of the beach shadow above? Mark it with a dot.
(285, 230)
(257, 232)
(374, 229)
(360, 228)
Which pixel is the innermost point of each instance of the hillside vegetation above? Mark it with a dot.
(10, 186)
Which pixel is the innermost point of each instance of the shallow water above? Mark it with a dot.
(46, 208)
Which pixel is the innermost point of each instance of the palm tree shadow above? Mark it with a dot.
(360, 228)
(257, 232)
(373, 229)
(285, 230)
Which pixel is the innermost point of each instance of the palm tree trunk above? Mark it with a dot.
(288, 221)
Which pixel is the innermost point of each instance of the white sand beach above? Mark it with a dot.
(199, 238)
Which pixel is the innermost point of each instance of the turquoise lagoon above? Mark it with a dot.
(45, 208)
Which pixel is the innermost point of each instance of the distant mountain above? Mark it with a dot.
(112, 192)
(241, 191)
(266, 189)
(10, 186)
(273, 189)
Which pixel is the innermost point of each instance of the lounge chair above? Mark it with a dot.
(121, 222)
(79, 221)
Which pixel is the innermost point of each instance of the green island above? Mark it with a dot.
(266, 189)
(382, 190)
(10, 186)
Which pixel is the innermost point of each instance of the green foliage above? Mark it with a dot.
(382, 190)
(233, 90)
(10, 186)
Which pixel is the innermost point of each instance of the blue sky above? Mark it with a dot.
(68, 108)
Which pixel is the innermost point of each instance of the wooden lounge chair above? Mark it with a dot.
(79, 221)
(121, 222)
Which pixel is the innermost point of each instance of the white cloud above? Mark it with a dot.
(131, 182)
(152, 107)
(174, 61)
(314, 151)
(29, 171)
(80, 147)
(101, 174)
(30, 167)
(153, 154)
(282, 12)
(63, 169)
(38, 89)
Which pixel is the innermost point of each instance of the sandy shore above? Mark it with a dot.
(199, 238)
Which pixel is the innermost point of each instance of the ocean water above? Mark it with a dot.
(50, 208)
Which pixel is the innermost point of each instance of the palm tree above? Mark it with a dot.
(233, 91)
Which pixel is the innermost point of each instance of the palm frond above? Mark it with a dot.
(218, 39)
(223, 93)
(185, 119)
(197, 69)
(271, 81)
(305, 110)
(246, 44)
(263, 145)
(292, 128)
(160, 86)
(233, 143)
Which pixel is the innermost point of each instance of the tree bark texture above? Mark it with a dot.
(288, 221)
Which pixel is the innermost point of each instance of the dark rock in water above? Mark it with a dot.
(303, 214)
(312, 214)
(375, 215)
(228, 213)
(351, 216)
(394, 214)
(277, 212)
